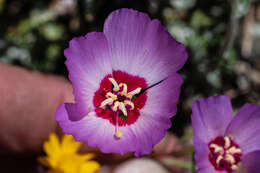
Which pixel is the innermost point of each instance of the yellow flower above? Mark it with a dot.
(63, 157)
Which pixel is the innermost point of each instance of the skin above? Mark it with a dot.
(29, 100)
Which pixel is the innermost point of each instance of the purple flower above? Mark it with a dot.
(222, 143)
(125, 84)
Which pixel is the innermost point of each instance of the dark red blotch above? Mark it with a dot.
(106, 86)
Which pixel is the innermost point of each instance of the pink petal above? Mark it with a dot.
(245, 128)
(251, 162)
(154, 120)
(88, 62)
(210, 117)
(142, 47)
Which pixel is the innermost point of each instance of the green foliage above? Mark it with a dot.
(181, 5)
(36, 20)
(199, 19)
(241, 7)
(52, 31)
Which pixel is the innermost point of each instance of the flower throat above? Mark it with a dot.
(225, 154)
(119, 99)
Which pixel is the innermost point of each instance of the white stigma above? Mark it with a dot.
(217, 148)
(234, 150)
(230, 158)
(113, 81)
(108, 101)
(219, 158)
(134, 92)
(122, 108)
(227, 142)
(111, 95)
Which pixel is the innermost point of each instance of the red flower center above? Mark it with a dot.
(224, 154)
(120, 98)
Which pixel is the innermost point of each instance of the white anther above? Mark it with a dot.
(230, 158)
(124, 92)
(219, 158)
(216, 148)
(111, 95)
(134, 92)
(227, 142)
(131, 104)
(108, 101)
(234, 150)
(116, 104)
(113, 81)
(122, 108)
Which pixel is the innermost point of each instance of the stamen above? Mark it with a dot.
(230, 159)
(124, 92)
(234, 150)
(134, 92)
(105, 102)
(219, 158)
(234, 167)
(122, 108)
(111, 95)
(116, 104)
(113, 81)
(216, 148)
(227, 142)
(131, 104)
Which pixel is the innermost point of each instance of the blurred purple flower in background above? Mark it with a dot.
(222, 143)
(125, 84)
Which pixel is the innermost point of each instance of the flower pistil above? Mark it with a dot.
(225, 154)
(119, 99)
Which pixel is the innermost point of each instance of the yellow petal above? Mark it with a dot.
(52, 146)
(69, 145)
(89, 167)
(70, 163)
(88, 156)
(62, 157)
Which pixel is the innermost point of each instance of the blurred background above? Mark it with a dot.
(222, 38)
